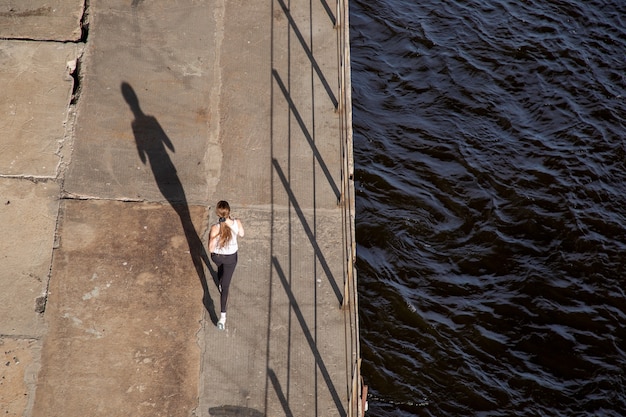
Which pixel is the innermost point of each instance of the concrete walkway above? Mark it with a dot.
(124, 122)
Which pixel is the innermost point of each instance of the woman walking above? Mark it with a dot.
(223, 247)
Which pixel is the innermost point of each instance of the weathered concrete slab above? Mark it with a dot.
(28, 213)
(164, 52)
(57, 20)
(278, 97)
(18, 370)
(282, 351)
(36, 91)
(123, 312)
(246, 102)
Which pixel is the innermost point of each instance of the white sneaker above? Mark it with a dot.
(221, 324)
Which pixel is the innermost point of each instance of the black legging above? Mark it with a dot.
(225, 267)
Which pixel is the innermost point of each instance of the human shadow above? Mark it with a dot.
(152, 145)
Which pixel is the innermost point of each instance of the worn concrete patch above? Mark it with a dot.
(28, 214)
(36, 91)
(18, 362)
(144, 115)
(41, 19)
(123, 312)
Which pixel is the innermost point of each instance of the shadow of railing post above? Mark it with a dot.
(357, 391)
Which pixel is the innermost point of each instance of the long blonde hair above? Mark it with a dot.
(223, 212)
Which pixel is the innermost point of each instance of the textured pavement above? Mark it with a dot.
(124, 122)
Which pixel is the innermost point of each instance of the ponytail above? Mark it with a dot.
(223, 211)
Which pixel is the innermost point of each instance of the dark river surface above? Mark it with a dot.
(491, 205)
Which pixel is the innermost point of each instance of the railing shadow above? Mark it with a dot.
(309, 53)
(309, 232)
(152, 146)
(293, 303)
(300, 144)
(329, 12)
(280, 393)
(305, 131)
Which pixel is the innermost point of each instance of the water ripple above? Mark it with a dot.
(491, 205)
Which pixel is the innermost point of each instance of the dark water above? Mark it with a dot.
(491, 206)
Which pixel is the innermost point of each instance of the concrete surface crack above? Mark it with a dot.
(84, 23)
(31, 178)
(72, 196)
(75, 72)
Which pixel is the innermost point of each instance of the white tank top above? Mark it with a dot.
(230, 246)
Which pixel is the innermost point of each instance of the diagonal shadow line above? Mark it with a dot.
(279, 392)
(309, 54)
(309, 337)
(307, 229)
(307, 135)
(329, 12)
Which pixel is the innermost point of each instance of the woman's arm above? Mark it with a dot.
(215, 230)
(240, 226)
